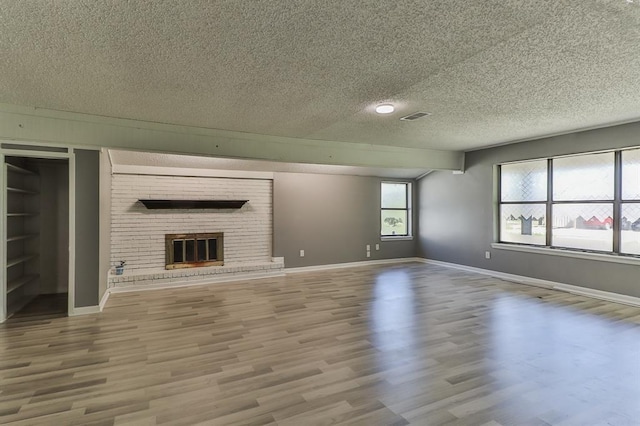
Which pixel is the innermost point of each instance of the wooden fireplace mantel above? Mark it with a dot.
(193, 204)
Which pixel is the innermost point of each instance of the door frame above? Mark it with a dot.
(33, 152)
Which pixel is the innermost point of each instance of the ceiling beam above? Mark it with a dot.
(60, 127)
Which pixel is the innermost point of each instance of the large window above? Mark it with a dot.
(395, 206)
(586, 202)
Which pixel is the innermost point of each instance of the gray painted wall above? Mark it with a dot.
(54, 226)
(332, 218)
(87, 227)
(105, 222)
(456, 215)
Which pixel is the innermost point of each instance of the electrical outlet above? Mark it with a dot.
(487, 255)
(368, 254)
(368, 247)
(301, 253)
(377, 246)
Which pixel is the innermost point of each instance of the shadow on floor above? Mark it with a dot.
(43, 306)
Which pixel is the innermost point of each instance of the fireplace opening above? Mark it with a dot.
(194, 250)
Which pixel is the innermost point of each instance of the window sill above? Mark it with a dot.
(600, 257)
(399, 238)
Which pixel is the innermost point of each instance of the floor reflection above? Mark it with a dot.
(574, 355)
(392, 315)
(517, 356)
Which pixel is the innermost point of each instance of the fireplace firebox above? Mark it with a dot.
(194, 250)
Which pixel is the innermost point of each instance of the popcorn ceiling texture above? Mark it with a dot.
(490, 71)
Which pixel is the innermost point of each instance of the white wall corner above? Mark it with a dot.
(105, 298)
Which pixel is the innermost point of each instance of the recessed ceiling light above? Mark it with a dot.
(385, 109)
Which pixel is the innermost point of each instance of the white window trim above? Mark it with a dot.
(576, 253)
(600, 257)
(409, 209)
(397, 238)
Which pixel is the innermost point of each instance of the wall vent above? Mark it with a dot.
(415, 116)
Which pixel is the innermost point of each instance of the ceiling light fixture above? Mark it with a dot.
(385, 109)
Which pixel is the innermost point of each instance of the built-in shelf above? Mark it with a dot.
(22, 268)
(16, 284)
(21, 191)
(21, 237)
(18, 169)
(18, 260)
(193, 204)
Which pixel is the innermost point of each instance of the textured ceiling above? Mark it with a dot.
(490, 72)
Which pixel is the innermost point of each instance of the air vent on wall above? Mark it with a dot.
(415, 116)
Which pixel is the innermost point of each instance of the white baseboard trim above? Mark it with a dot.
(315, 268)
(553, 285)
(85, 310)
(104, 299)
(209, 280)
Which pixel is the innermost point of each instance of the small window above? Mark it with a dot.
(395, 207)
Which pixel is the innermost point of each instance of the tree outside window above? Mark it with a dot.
(394, 211)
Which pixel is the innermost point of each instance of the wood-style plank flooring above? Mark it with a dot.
(385, 345)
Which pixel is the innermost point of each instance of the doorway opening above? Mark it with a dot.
(37, 237)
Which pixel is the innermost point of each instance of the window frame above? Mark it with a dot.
(617, 202)
(544, 202)
(407, 209)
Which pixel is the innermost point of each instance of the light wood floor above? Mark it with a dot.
(388, 345)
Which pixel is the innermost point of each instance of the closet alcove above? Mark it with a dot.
(37, 236)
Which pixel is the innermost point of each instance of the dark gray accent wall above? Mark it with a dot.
(332, 218)
(456, 215)
(54, 226)
(87, 180)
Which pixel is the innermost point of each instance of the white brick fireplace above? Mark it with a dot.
(138, 233)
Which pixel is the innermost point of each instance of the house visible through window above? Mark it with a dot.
(587, 202)
(395, 206)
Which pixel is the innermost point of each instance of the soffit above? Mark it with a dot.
(173, 161)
